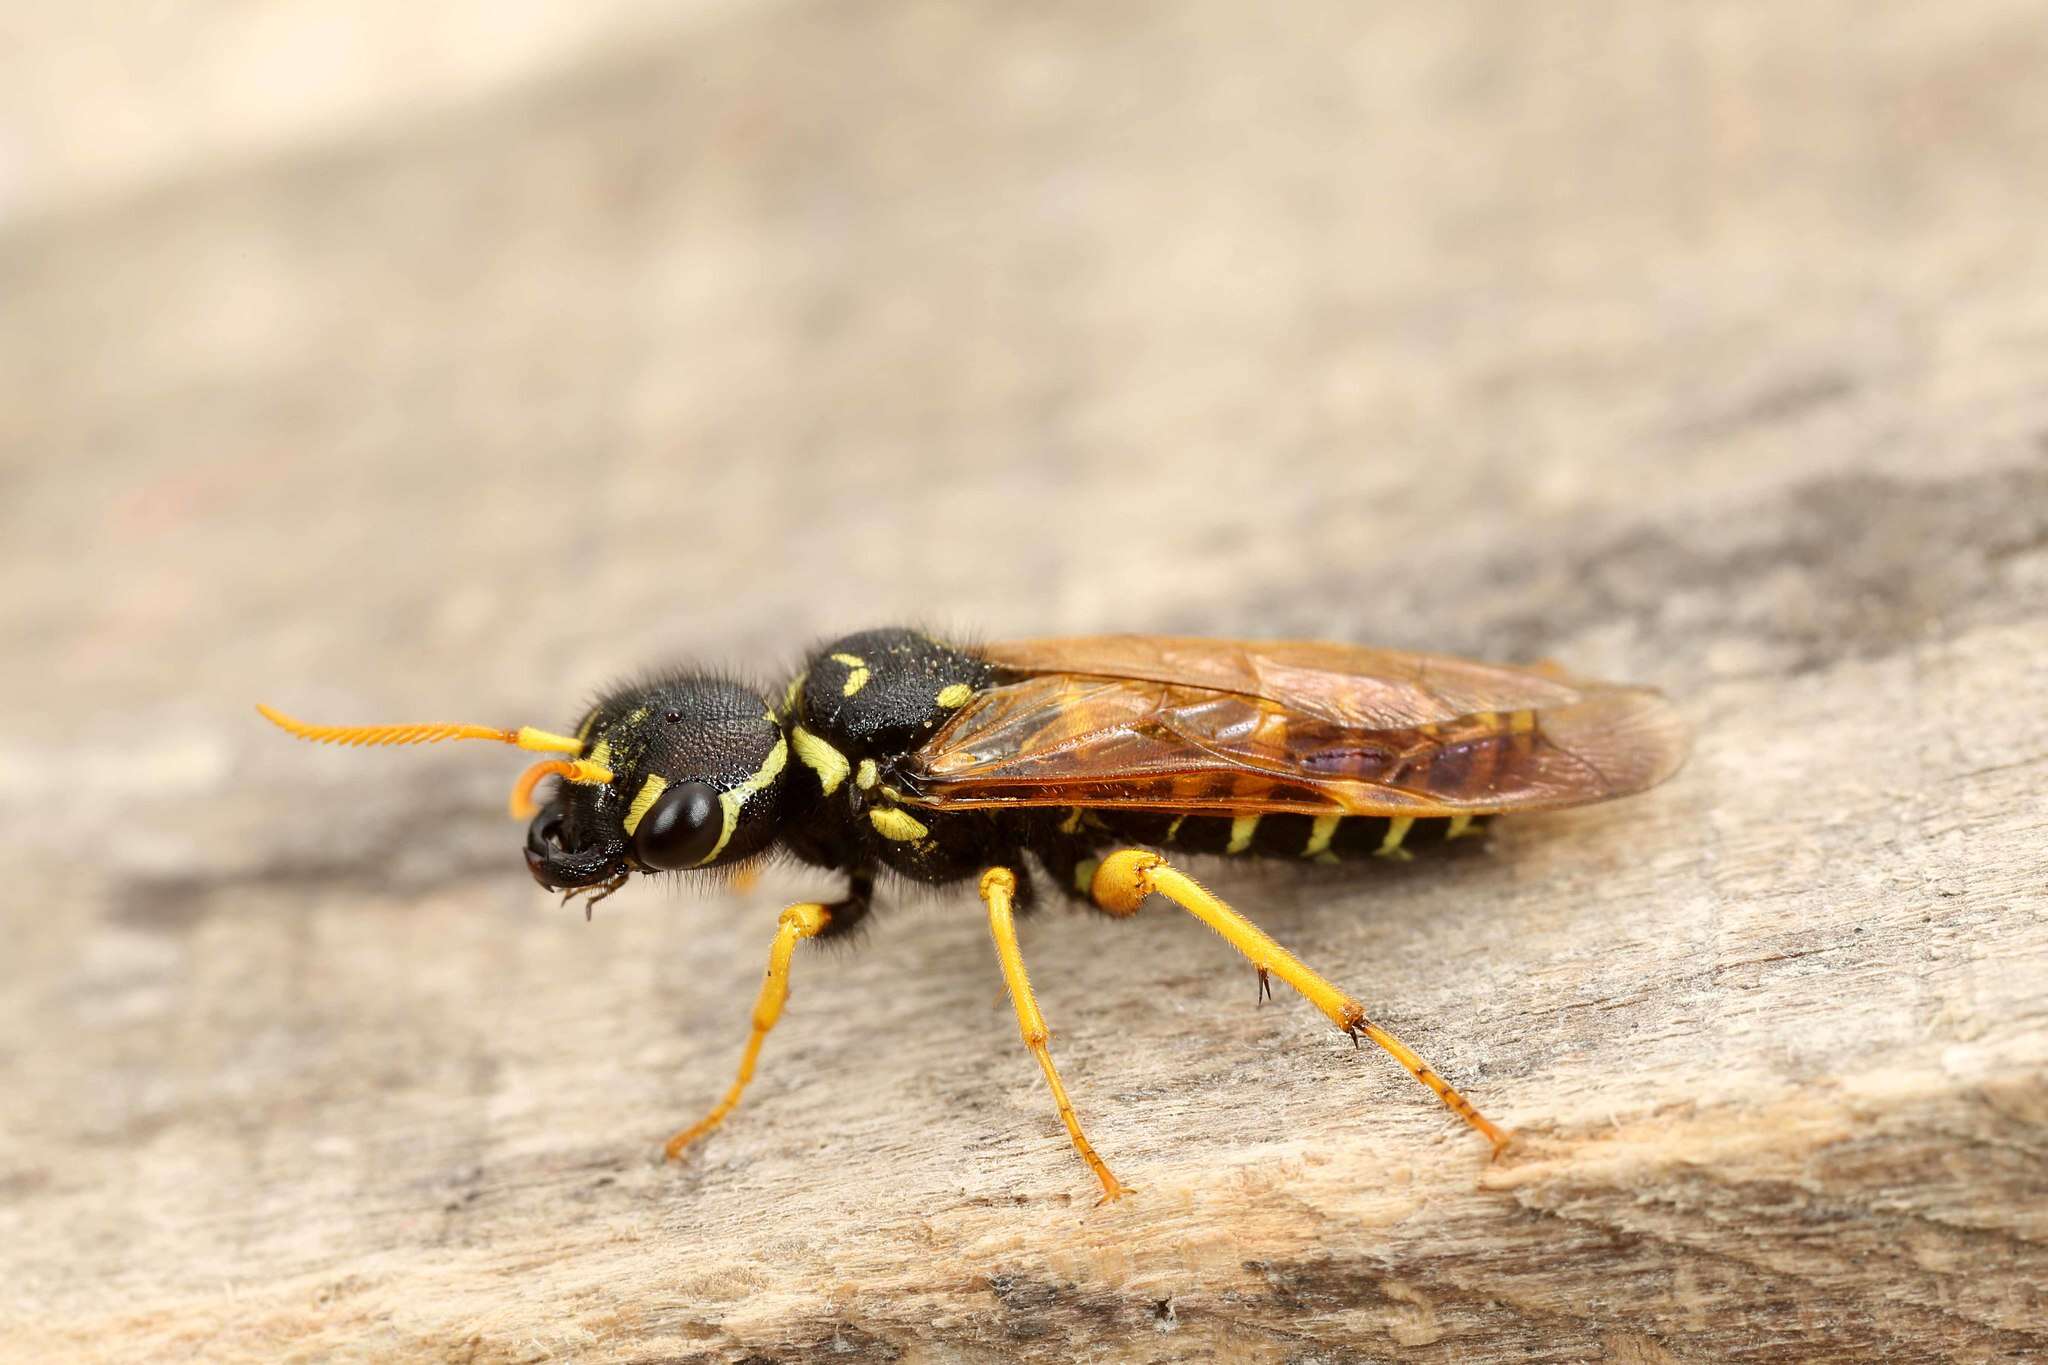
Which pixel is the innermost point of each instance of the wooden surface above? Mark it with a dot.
(1696, 345)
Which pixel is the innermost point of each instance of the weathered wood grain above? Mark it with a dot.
(1697, 346)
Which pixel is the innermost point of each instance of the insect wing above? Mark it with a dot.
(1348, 685)
(1213, 726)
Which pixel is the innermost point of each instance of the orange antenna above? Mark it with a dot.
(578, 769)
(523, 806)
(525, 737)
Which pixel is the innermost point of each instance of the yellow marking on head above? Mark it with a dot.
(732, 801)
(1241, 831)
(895, 824)
(640, 713)
(1072, 824)
(864, 777)
(602, 754)
(1397, 830)
(1460, 826)
(1084, 874)
(850, 660)
(1319, 835)
(821, 758)
(855, 681)
(954, 695)
(650, 792)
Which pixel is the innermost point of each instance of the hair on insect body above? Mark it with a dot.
(1074, 763)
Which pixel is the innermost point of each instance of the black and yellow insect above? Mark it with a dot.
(895, 752)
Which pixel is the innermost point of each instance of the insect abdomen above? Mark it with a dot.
(1327, 838)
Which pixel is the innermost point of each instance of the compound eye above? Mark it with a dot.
(680, 829)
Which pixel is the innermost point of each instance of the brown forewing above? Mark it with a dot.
(1347, 685)
(1189, 725)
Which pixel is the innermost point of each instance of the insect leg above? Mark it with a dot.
(1127, 876)
(998, 892)
(798, 922)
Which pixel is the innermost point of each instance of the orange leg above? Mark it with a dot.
(1126, 877)
(998, 892)
(798, 922)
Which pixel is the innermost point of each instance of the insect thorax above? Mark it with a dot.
(859, 706)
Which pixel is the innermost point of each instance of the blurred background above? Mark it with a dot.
(390, 362)
(564, 337)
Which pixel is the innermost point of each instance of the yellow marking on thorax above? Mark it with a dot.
(1320, 834)
(856, 673)
(794, 691)
(899, 825)
(864, 777)
(821, 758)
(732, 801)
(1241, 831)
(954, 695)
(1397, 830)
(650, 792)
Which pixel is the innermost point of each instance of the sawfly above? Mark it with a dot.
(1086, 759)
